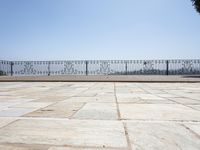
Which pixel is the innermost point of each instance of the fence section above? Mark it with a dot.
(100, 67)
(184, 67)
(5, 67)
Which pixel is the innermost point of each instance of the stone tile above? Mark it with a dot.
(144, 101)
(5, 121)
(193, 95)
(7, 104)
(14, 99)
(32, 105)
(129, 100)
(22, 147)
(165, 136)
(197, 107)
(150, 96)
(9, 147)
(126, 95)
(15, 112)
(87, 94)
(2, 108)
(73, 148)
(167, 95)
(60, 109)
(71, 132)
(158, 112)
(50, 99)
(82, 115)
(185, 100)
(104, 111)
(5, 94)
(195, 127)
(99, 99)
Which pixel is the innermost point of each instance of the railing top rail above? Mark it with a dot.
(101, 60)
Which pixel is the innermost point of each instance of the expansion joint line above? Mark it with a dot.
(117, 104)
(119, 118)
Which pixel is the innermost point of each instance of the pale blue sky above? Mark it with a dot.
(98, 29)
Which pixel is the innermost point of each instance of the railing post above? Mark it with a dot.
(126, 68)
(11, 68)
(86, 67)
(167, 67)
(49, 71)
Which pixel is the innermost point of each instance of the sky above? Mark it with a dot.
(98, 29)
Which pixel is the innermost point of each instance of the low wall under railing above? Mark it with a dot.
(100, 67)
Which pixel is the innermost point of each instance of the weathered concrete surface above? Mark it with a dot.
(165, 136)
(158, 112)
(15, 112)
(71, 132)
(5, 121)
(99, 115)
(60, 109)
(105, 111)
(71, 148)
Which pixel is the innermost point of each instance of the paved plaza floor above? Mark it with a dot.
(99, 115)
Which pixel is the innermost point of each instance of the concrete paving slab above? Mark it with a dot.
(158, 112)
(144, 101)
(197, 107)
(16, 112)
(32, 105)
(193, 127)
(72, 148)
(104, 111)
(22, 147)
(186, 101)
(72, 132)
(9, 147)
(126, 95)
(5, 105)
(167, 95)
(149, 96)
(5, 121)
(49, 99)
(195, 96)
(15, 99)
(82, 115)
(87, 94)
(165, 136)
(99, 99)
(8, 104)
(60, 109)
